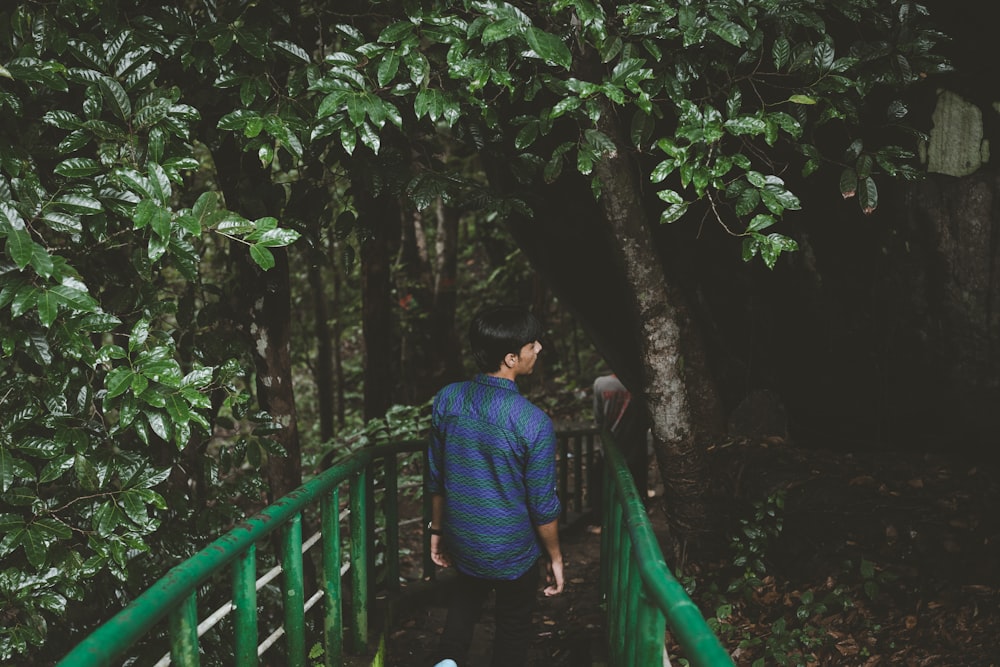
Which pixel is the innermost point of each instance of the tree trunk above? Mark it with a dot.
(674, 379)
(270, 319)
(445, 341)
(338, 335)
(379, 218)
(324, 353)
(265, 298)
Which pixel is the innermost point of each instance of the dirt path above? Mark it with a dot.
(568, 628)
(869, 559)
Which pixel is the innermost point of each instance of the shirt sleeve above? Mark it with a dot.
(540, 473)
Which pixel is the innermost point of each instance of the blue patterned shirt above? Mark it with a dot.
(492, 455)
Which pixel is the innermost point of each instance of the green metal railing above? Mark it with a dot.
(639, 589)
(641, 592)
(175, 596)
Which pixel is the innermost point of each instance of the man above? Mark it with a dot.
(492, 480)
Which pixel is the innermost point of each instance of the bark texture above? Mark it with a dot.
(677, 386)
(266, 304)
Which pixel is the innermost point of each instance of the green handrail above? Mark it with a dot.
(642, 593)
(175, 594)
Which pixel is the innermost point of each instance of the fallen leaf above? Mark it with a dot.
(911, 621)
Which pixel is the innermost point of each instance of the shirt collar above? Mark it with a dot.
(492, 381)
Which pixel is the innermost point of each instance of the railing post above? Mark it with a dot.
(391, 523)
(245, 607)
(359, 559)
(291, 565)
(633, 586)
(650, 628)
(333, 625)
(184, 632)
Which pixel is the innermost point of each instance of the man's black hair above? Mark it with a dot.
(500, 330)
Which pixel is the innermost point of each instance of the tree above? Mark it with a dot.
(147, 152)
(720, 102)
(114, 371)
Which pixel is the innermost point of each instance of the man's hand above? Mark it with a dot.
(553, 577)
(438, 553)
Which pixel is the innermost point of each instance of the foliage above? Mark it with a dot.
(107, 374)
(792, 638)
(120, 347)
(723, 93)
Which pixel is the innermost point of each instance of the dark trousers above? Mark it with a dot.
(515, 600)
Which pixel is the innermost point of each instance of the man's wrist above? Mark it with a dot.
(432, 530)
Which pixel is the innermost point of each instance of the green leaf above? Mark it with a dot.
(549, 47)
(419, 67)
(801, 99)
(139, 334)
(160, 222)
(868, 195)
(55, 468)
(164, 371)
(86, 474)
(178, 409)
(20, 247)
(356, 108)
(118, 381)
(760, 222)
(526, 135)
(62, 222)
(34, 545)
(823, 56)
(159, 423)
(116, 97)
(779, 52)
(42, 261)
(498, 31)
(262, 256)
(48, 308)
(674, 213)
(274, 238)
(6, 469)
(160, 183)
(74, 298)
(396, 32)
(730, 32)
(77, 166)
(293, 50)
(848, 183)
(78, 203)
(387, 68)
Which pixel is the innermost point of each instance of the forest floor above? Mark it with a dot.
(859, 559)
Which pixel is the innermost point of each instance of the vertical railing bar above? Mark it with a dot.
(607, 512)
(245, 607)
(359, 559)
(622, 543)
(391, 523)
(294, 593)
(633, 582)
(369, 516)
(333, 623)
(184, 632)
(651, 630)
